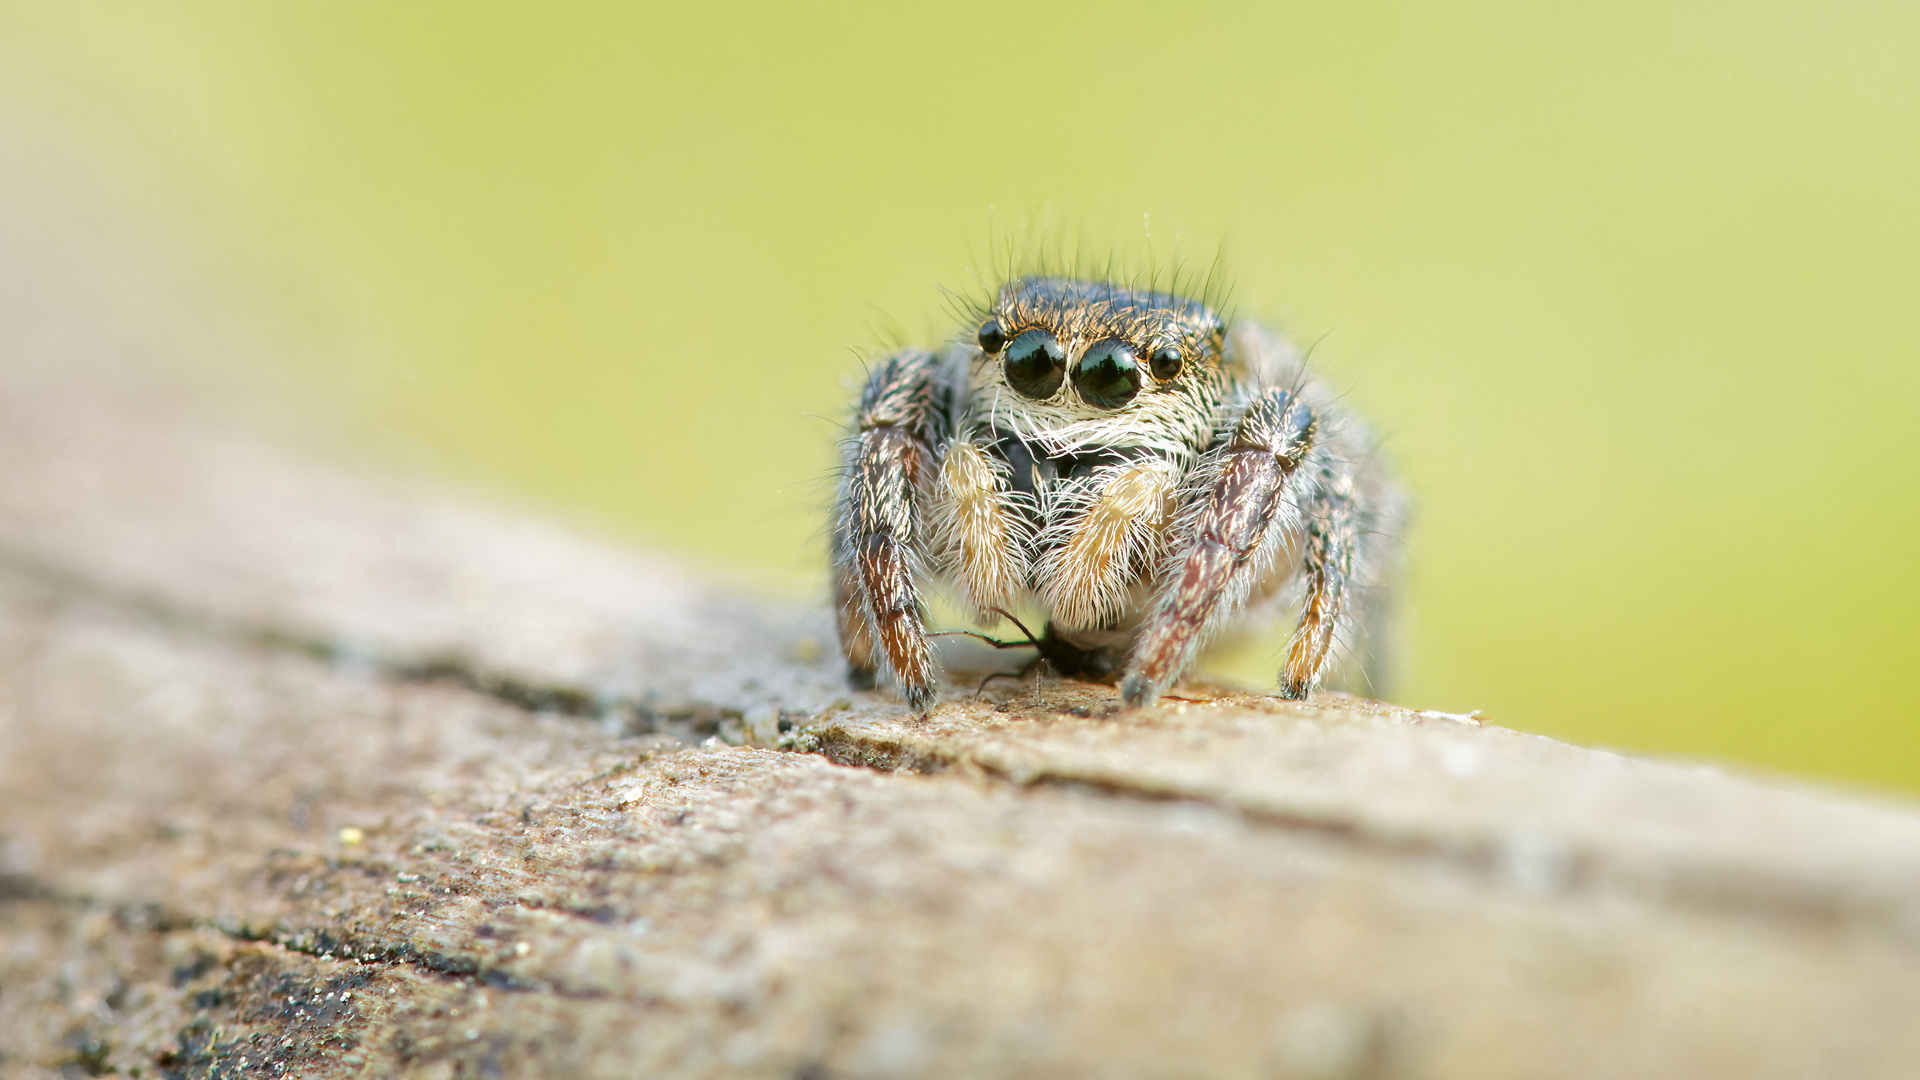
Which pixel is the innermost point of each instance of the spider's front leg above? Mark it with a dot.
(902, 420)
(1226, 540)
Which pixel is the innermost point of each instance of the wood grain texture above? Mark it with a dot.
(303, 774)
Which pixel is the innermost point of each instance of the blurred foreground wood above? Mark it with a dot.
(303, 775)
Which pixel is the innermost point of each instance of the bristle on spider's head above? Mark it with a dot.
(1047, 249)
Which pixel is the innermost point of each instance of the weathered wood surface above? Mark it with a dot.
(309, 775)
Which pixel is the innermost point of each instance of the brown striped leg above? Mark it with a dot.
(876, 528)
(1327, 564)
(1245, 508)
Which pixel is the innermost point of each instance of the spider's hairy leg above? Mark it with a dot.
(1327, 564)
(1381, 513)
(850, 616)
(890, 461)
(1242, 512)
(1355, 515)
(983, 535)
(1085, 578)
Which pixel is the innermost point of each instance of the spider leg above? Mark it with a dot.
(877, 525)
(1350, 553)
(1327, 564)
(1245, 507)
(850, 616)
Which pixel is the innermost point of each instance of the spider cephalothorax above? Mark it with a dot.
(1127, 463)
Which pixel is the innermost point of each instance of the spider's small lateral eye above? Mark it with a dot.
(992, 338)
(1166, 363)
(1107, 375)
(1035, 364)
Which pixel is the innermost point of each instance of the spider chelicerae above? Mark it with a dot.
(1130, 465)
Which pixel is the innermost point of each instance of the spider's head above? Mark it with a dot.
(1099, 346)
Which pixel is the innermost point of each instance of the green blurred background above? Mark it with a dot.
(1631, 286)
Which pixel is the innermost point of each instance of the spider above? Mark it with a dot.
(1129, 464)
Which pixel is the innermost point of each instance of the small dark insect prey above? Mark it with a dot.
(1125, 462)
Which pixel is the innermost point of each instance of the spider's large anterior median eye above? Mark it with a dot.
(1107, 375)
(1035, 364)
(992, 339)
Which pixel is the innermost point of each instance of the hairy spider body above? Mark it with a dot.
(1130, 465)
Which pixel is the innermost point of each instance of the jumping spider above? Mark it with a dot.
(1126, 462)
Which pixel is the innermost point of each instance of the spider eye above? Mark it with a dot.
(1166, 363)
(1107, 376)
(1035, 364)
(992, 338)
